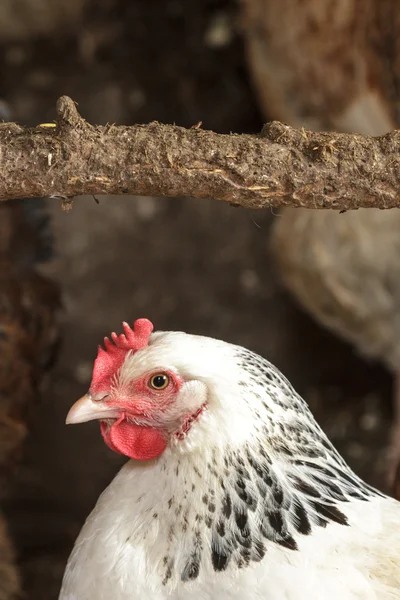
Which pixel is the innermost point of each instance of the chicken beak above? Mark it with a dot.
(85, 409)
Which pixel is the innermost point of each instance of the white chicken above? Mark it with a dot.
(233, 491)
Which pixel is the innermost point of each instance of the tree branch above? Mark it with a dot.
(280, 166)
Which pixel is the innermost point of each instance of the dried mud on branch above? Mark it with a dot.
(281, 166)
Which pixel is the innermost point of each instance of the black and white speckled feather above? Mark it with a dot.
(279, 486)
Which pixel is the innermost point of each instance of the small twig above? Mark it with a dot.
(281, 166)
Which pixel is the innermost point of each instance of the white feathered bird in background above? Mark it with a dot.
(233, 491)
(335, 65)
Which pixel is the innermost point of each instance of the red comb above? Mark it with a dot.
(110, 359)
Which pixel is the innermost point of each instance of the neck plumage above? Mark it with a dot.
(221, 508)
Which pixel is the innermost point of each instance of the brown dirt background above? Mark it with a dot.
(199, 266)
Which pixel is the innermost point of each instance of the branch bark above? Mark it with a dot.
(280, 166)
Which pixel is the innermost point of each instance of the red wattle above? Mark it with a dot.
(135, 441)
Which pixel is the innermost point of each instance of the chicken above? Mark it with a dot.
(29, 305)
(233, 491)
(327, 64)
(29, 308)
(10, 585)
(345, 270)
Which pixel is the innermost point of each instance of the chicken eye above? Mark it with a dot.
(159, 381)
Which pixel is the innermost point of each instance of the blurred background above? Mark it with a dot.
(194, 265)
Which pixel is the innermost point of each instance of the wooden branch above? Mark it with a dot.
(280, 166)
